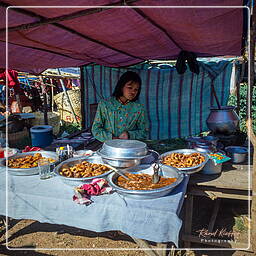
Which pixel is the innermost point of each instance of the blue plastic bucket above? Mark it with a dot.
(41, 135)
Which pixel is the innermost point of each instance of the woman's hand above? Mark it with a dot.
(124, 136)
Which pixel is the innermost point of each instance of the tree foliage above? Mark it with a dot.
(243, 108)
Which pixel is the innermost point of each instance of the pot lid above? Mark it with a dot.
(124, 148)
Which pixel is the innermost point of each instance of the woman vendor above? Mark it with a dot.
(121, 116)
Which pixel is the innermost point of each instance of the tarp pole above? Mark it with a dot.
(45, 107)
(52, 100)
(250, 131)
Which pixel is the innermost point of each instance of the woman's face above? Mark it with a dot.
(130, 90)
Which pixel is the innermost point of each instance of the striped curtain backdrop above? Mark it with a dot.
(177, 105)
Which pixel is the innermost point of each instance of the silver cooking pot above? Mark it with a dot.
(223, 121)
(124, 153)
(210, 167)
(211, 139)
(203, 147)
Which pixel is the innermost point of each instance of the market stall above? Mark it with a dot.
(176, 31)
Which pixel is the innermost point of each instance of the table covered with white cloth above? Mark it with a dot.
(50, 201)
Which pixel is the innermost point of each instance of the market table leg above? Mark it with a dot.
(7, 223)
(214, 215)
(148, 248)
(188, 219)
(163, 246)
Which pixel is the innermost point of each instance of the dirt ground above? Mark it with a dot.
(29, 236)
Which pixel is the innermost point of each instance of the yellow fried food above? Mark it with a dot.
(180, 160)
(84, 170)
(28, 161)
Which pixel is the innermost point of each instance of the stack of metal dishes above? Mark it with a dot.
(166, 171)
(28, 171)
(123, 153)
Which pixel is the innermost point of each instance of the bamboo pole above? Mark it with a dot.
(52, 94)
(66, 94)
(66, 17)
(241, 77)
(45, 108)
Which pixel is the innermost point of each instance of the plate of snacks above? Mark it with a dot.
(187, 161)
(23, 164)
(78, 170)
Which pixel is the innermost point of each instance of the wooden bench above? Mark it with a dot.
(233, 183)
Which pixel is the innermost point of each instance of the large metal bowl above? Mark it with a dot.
(28, 171)
(124, 149)
(77, 160)
(121, 163)
(166, 171)
(124, 153)
(236, 153)
(126, 162)
(187, 170)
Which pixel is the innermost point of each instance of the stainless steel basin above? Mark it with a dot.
(166, 171)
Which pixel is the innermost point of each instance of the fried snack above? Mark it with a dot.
(180, 160)
(29, 161)
(84, 170)
(143, 181)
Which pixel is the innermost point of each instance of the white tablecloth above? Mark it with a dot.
(50, 201)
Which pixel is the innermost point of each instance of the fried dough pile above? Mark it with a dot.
(29, 161)
(180, 160)
(84, 170)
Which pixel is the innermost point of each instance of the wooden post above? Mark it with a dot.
(249, 124)
(17, 96)
(82, 88)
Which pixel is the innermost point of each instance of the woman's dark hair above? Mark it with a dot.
(125, 78)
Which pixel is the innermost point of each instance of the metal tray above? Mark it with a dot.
(28, 171)
(187, 170)
(76, 160)
(166, 171)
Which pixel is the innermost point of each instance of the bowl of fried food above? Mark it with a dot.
(27, 163)
(140, 184)
(78, 170)
(187, 161)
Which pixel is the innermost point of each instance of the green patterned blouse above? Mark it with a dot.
(112, 118)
